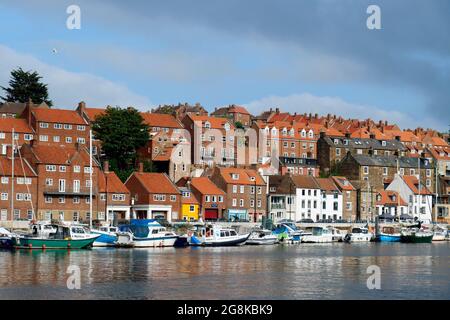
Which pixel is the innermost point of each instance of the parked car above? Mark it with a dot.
(306, 221)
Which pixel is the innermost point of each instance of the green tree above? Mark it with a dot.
(238, 125)
(167, 109)
(25, 85)
(122, 132)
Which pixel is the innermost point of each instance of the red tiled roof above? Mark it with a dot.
(60, 154)
(19, 125)
(92, 113)
(389, 197)
(21, 169)
(192, 199)
(58, 116)
(112, 185)
(305, 182)
(156, 182)
(343, 183)
(327, 184)
(413, 183)
(245, 176)
(161, 120)
(215, 122)
(238, 109)
(205, 186)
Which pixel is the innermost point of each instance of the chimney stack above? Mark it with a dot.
(106, 166)
(81, 106)
(141, 167)
(277, 110)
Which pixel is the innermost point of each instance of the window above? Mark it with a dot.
(50, 168)
(348, 206)
(62, 199)
(103, 196)
(43, 125)
(220, 198)
(87, 200)
(86, 170)
(76, 169)
(76, 185)
(43, 138)
(62, 168)
(101, 215)
(28, 137)
(412, 172)
(67, 126)
(338, 151)
(81, 128)
(2, 135)
(81, 140)
(234, 202)
(191, 208)
(159, 197)
(428, 172)
(259, 203)
(292, 144)
(235, 188)
(402, 171)
(241, 202)
(173, 198)
(20, 180)
(214, 198)
(235, 176)
(428, 183)
(56, 138)
(324, 205)
(62, 185)
(16, 214)
(207, 198)
(335, 206)
(57, 126)
(366, 170)
(4, 196)
(68, 139)
(385, 171)
(241, 189)
(5, 180)
(76, 199)
(48, 182)
(76, 215)
(252, 203)
(19, 196)
(259, 190)
(359, 151)
(4, 215)
(48, 199)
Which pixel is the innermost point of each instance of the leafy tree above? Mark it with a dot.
(25, 85)
(238, 125)
(149, 166)
(122, 132)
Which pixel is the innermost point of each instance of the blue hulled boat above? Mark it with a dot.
(108, 236)
(388, 234)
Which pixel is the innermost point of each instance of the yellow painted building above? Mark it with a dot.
(189, 211)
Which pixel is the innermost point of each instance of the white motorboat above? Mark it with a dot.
(145, 233)
(359, 235)
(263, 236)
(108, 236)
(318, 235)
(439, 234)
(217, 236)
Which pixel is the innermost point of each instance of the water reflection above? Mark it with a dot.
(336, 271)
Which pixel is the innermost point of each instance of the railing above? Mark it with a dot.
(50, 190)
(278, 206)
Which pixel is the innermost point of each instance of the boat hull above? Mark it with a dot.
(225, 242)
(5, 242)
(154, 242)
(416, 239)
(388, 238)
(357, 238)
(40, 243)
(105, 240)
(317, 239)
(439, 237)
(262, 241)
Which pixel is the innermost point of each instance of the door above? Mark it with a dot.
(211, 214)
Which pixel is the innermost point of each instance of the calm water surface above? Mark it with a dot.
(322, 271)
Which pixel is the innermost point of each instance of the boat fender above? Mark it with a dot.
(68, 245)
(30, 245)
(43, 247)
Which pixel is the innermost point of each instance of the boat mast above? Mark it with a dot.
(90, 178)
(436, 193)
(12, 175)
(420, 193)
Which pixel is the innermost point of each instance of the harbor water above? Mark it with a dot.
(306, 271)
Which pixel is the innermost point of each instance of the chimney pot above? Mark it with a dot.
(106, 166)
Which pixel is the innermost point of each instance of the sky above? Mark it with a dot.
(301, 56)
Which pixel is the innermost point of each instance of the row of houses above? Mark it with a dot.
(367, 154)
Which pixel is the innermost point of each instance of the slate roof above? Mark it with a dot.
(364, 143)
(391, 161)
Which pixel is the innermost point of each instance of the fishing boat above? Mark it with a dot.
(108, 236)
(388, 234)
(217, 236)
(263, 236)
(358, 235)
(143, 233)
(416, 235)
(64, 237)
(318, 235)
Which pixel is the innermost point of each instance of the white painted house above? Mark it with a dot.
(332, 202)
(417, 196)
(307, 197)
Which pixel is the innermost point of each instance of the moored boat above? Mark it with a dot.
(358, 235)
(415, 235)
(108, 236)
(64, 237)
(318, 235)
(439, 234)
(144, 233)
(388, 234)
(5, 238)
(262, 237)
(217, 236)
(287, 232)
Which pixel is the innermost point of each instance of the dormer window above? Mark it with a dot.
(345, 142)
(311, 134)
(235, 176)
(252, 178)
(284, 131)
(226, 126)
(292, 132)
(207, 125)
(274, 131)
(336, 141)
(303, 133)
(383, 143)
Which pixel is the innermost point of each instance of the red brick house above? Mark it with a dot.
(154, 196)
(22, 133)
(212, 198)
